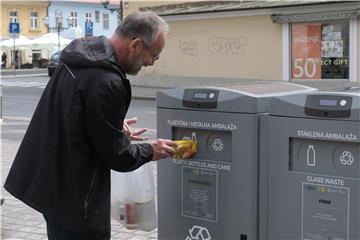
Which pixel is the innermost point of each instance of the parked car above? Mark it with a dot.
(53, 63)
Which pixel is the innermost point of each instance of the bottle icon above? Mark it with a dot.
(193, 136)
(310, 156)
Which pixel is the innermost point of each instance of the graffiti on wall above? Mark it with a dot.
(189, 48)
(223, 45)
(216, 45)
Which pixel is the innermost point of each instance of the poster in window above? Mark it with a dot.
(335, 50)
(338, 49)
(337, 35)
(327, 32)
(326, 48)
(331, 49)
(331, 44)
(306, 50)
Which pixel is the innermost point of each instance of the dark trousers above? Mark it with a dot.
(56, 231)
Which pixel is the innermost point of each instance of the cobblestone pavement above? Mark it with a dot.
(18, 221)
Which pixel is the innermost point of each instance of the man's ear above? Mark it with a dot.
(134, 44)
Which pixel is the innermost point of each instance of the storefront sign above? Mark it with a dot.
(314, 17)
(306, 46)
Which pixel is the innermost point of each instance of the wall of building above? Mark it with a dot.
(231, 47)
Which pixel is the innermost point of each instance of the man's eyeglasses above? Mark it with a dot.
(154, 56)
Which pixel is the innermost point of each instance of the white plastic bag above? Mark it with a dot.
(133, 198)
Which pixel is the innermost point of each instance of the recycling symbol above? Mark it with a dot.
(346, 158)
(198, 233)
(218, 145)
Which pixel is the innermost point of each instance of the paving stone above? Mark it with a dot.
(28, 229)
(8, 226)
(34, 236)
(123, 236)
(5, 234)
(20, 234)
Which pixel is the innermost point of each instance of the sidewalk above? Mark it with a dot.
(32, 72)
(145, 87)
(18, 221)
(145, 93)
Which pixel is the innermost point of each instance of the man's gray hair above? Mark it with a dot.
(145, 25)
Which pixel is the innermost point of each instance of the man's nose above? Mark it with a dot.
(150, 63)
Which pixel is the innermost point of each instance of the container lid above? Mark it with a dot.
(339, 104)
(239, 98)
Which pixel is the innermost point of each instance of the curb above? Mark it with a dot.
(147, 98)
(26, 75)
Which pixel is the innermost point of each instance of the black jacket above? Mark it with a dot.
(62, 168)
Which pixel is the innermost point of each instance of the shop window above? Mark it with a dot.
(36, 57)
(320, 50)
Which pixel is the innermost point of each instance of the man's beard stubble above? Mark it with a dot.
(134, 68)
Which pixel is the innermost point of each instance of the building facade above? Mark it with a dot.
(28, 14)
(299, 41)
(74, 15)
(104, 21)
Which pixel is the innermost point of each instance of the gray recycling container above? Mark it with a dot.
(215, 194)
(314, 166)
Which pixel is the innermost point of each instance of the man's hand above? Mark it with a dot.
(163, 148)
(133, 135)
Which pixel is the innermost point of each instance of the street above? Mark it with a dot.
(20, 96)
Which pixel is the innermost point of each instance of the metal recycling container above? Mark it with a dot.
(314, 166)
(215, 193)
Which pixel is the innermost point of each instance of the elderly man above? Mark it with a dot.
(78, 132)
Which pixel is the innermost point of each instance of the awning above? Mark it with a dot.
(315, 17)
